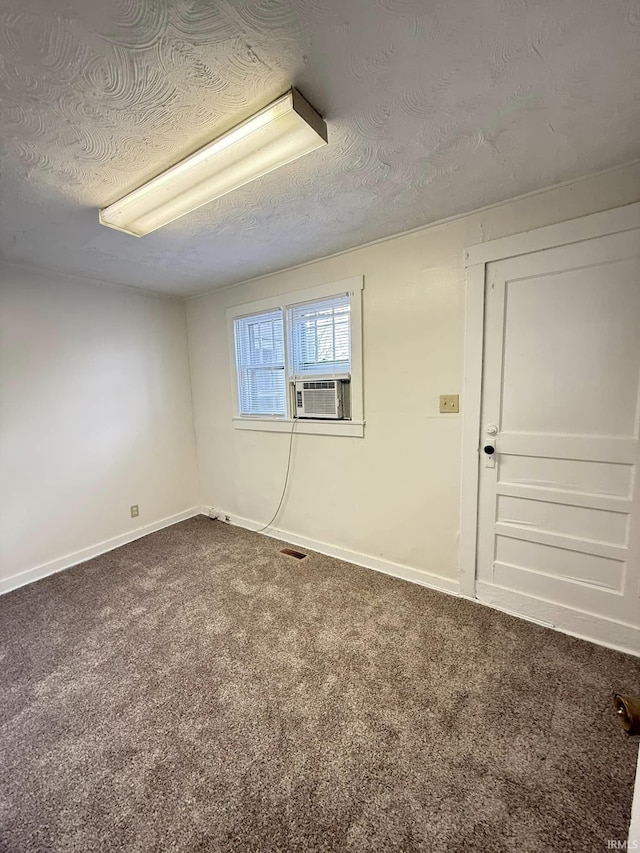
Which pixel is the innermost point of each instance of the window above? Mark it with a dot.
(320, 337)
(259, 345)
(311, 334)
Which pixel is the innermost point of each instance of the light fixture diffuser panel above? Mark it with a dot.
(280, 133)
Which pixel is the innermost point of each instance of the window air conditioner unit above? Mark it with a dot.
(320, 398)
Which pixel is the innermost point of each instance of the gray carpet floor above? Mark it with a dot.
(198, 691)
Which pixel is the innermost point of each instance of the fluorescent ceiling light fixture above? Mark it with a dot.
(280, 133)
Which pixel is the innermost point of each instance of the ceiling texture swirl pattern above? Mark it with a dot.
(433, 108)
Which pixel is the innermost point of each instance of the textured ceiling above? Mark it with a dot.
(434, 107)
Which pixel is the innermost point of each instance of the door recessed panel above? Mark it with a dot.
(593, 599)
(579, 521)
(573, 339)
(560, 562)
(574, 475)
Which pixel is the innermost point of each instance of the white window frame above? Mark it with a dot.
(305, 426)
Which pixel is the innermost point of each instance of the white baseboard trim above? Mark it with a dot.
(54, 566)
(387, 567)
(620, 637)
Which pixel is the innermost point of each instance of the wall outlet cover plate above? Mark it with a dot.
(449, 403)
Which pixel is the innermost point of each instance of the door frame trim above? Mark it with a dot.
(476, 258)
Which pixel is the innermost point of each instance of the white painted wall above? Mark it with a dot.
(95, 415)
(395, 494)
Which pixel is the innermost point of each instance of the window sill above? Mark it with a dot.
(305, 426)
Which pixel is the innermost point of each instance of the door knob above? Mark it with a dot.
(489, 449)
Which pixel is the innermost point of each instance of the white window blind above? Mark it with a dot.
(320, 337)
(259, 343)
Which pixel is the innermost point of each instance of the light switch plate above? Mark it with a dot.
(449, 403)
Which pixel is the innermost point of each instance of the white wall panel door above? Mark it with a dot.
(558, 520)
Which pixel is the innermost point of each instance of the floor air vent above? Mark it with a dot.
(291, 553)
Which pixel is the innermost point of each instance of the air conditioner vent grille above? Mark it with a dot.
(318, 386)
(320, 403)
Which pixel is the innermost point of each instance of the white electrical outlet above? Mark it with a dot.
(135, 512)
